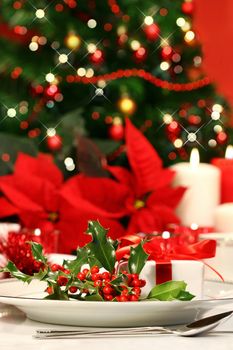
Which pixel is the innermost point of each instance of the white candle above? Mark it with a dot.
(224, 218)
(203, 191)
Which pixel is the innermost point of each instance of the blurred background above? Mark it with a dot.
(72, 71)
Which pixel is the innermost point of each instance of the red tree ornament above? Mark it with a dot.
(187, 8)
(140, 54)
(51, 91)
(167, 52)
(97, 57)
(54, 143)
(116, 132)
(152, 31)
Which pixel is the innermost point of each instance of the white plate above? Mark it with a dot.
(28, 298)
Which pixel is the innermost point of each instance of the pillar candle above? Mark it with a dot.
(203, 191)
(224, 218)
(226, 168)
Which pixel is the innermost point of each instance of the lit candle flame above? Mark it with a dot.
(194, 158)
(229, 152)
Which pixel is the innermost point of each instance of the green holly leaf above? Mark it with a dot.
(167, 291)
(75, 265)
(37, 252)
(15, 272)
(58, 294)
(137, 259)
(94, 297)
(118, 281)
(185, 296)
(101, 247)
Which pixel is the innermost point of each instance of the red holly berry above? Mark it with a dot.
(123, 298)
(49, 290)
(106, 275)
(137, 290)
(125, 292)
(108, 297)
(85, 271)
(66, 271)
(135, 276)
(81, 276)
(107, 290)
(95, 269)
(135, 283)
(73, 289)
(62, 280)
(55, 267)
(98, 283)
(95, 276)
(142, 283)
(133, 297)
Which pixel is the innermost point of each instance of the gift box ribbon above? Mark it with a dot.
(162, 251)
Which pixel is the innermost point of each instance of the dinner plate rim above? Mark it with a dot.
(143, 302)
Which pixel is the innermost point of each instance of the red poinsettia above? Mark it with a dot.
(33, 192)
(142, 194)
(151, 199)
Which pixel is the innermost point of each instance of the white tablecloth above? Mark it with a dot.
(16, 334)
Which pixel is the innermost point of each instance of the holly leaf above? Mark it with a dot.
(75, 265)
(37, 252)
(101, 247)
(15, 272)
(185, 295)
(137, 259)
(118, 281)
(58, 294)
(167, 291)
(94, 297)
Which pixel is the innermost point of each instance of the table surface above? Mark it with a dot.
(16, 333)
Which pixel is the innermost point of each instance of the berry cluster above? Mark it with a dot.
(120, 287)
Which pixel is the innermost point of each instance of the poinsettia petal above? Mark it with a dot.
(17, 197)
(167, 196)
(73, 224)
(143, 159)
(143, 220)
(38, 190)
(165, 216)
(6, 208)
(41, 166)
(102, 196)
(121, 174)
(150, 220)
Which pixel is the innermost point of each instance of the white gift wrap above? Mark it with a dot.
(189, 271)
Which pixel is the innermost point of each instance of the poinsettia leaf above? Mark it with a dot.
(143, 159)
(101, 246)
(137, 259)
(37, 252)
(167, 291)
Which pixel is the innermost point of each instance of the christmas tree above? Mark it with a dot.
(71, 69)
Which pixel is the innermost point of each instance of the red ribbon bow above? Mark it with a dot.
(164, 250)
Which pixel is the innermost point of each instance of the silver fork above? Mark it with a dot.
(197, 327)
